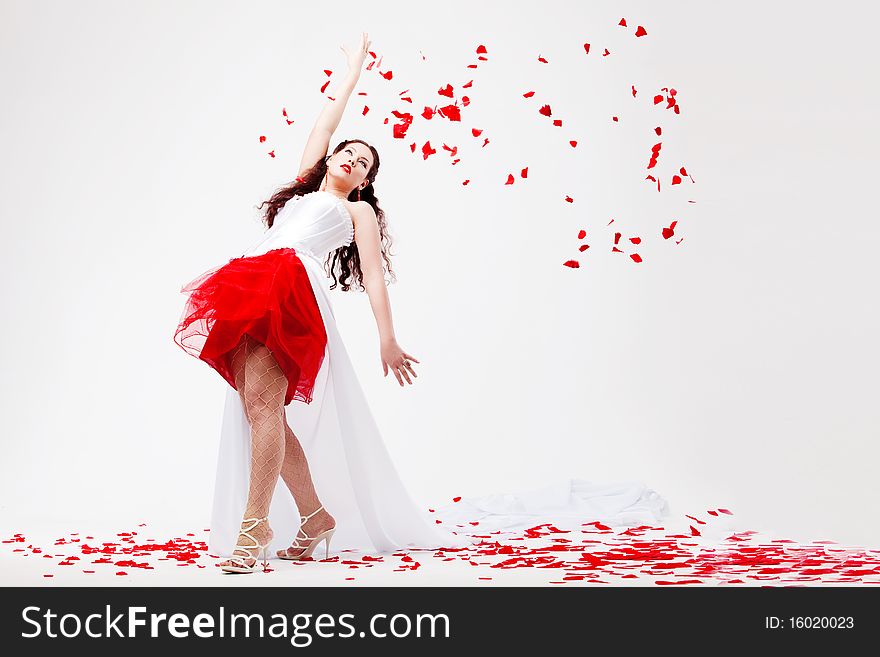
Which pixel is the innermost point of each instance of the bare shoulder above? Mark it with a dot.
(363, 211)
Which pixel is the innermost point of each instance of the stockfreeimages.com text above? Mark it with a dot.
(301, 629)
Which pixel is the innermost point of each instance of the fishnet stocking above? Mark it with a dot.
(295, 473)
(262, 385)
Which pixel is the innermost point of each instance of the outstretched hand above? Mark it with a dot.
(358, 55)
(398, 361)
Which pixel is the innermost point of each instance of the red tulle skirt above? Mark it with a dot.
(268, 297)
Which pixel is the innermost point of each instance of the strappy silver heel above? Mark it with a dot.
(306, 542)
(240, 566)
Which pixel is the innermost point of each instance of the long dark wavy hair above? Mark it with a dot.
(343, 263)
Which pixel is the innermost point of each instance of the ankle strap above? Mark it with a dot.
(302, 519)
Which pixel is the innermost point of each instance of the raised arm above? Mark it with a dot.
(318, 143)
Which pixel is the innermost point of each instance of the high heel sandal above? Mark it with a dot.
(312, 543)
(240, 566)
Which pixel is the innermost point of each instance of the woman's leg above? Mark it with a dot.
(295, 473)
(262, 386)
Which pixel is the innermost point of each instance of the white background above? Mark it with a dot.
(736, 369)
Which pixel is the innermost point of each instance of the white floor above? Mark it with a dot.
(722, 554)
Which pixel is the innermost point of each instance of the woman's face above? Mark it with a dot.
(351, 165)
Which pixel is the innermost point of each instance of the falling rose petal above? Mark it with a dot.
(451, 112)
(721, 510)
(428, 113)
(573, 143)
(475, 132)
(481, 50)
(331, 97)
(658, 131)
(569, 199)
(456, 499)
(431, 510)
(557, 123)
(387, 75)
(524, 173)
(446, 91)
(614, 118)
(412, 148)
(587, 48)
(574, 264)
(633, 91)
(407, 99)
(545, 110)
(676, 180)
(485, 141)
(541, 59)
(427, 150)
(465, 182)
(617, 238)
(669, 231)
(655, 152)
(606, 53)
(583, 247)
(471, 66)
(637, 258)
(399, 129)
(582, 234)
(465, 101)
(622, 22)
(528, 94)
(467, 85)
(635, 240)
(361, 93)
(640, 31)
(438, 522)
(509, 179)
(272, 153)
(262, 138)
(324, 86)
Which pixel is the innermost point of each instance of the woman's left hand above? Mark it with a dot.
(398, 361)
(356, 58)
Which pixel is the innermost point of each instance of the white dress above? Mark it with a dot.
(352, 471)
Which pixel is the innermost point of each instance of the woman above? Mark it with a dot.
(264, 322)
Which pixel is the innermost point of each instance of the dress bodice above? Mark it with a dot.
(315, 223)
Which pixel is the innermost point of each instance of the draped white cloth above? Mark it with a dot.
(567, 504)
